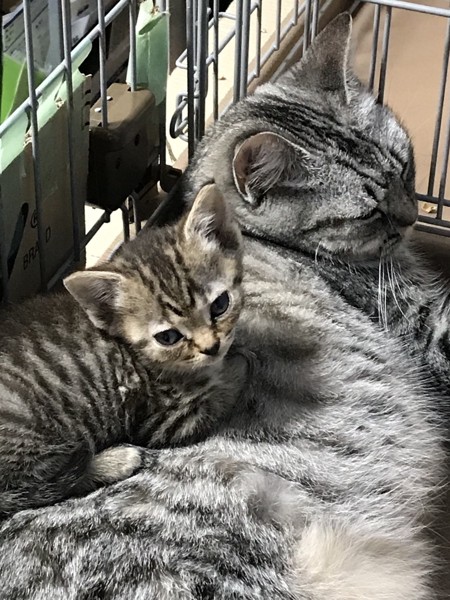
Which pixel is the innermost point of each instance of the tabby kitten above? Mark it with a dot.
(138, 359)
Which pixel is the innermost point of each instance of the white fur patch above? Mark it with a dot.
(115, 464)
(276, 499)
(340, 563)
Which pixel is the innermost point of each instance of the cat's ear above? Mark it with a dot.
(97, 292)
(325, 64)
(211, 220)
(261, 161)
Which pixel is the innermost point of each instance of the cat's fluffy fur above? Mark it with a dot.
(74, 384)
(323, 484)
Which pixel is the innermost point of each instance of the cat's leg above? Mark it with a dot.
(240, 363)
(108, 466)
(113, 464)
(235, 376)
(48, 474)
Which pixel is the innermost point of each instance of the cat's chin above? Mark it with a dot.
(188, 366)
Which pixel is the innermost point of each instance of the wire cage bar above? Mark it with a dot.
(33, 108)
(108, 11)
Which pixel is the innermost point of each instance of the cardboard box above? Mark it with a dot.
(45, 18)
(18, 191)
(84, 16)
(14, 32)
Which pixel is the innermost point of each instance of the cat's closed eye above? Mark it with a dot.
(169, 337)
(407, 172)
(220, 305)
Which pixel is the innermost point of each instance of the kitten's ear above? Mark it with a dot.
(261, 161)
(325, 64)
(211, 219)
(97, 292)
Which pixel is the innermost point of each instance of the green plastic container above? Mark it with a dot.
(15, 85)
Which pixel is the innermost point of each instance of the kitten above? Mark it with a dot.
(138, 359)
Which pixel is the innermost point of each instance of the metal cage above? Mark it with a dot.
(253, 39)
(70, 51)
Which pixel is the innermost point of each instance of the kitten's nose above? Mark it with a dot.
(213, 350)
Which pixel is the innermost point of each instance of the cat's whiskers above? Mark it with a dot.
(402, 283)
(379, 290)
(316, 253)
(381, 295)
(396, 286)
(393, 283)
(385, 289)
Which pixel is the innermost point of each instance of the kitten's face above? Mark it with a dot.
(336, 173)
(183, 309)
(178, 294)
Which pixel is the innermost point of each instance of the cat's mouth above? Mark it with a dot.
(205, 360)
(200, 362)
(224, 347)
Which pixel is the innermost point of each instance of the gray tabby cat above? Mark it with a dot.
(138, 360)
(323, 483)
(349, 166)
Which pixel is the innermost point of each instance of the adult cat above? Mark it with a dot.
(324, 482)
(322, 169)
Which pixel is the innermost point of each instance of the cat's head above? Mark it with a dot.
(173, 293)
(334, 170)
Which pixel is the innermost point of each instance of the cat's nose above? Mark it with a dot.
(213, 350)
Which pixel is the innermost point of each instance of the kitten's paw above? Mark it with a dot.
(115, 464)
(242, 361)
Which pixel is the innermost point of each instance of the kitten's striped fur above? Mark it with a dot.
(73, 386)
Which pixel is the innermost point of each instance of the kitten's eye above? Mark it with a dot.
(220, 305)
(169, 337)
